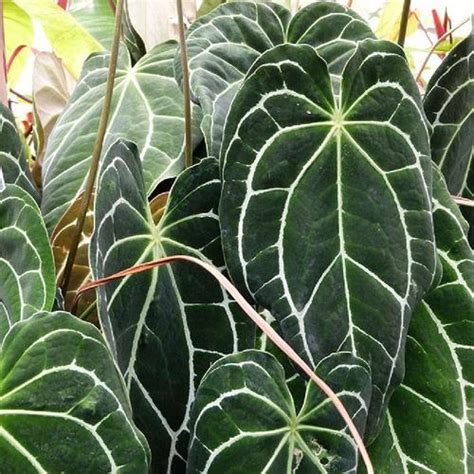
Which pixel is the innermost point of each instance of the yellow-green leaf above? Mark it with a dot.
(69, 40)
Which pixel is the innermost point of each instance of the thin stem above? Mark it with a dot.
(402, 33)
(462, 201)
(259, 321)
(3, 67)
(433, 48)
(188, 152)
(88, 311)
(104, 117)
(21, 96)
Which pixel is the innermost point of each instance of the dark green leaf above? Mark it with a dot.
(244, 418)
(26, 262)
(165, 326)
(429, 427)
(449, 106)
(63, 405)
(223, 45)
(13, 162)
(326, 203)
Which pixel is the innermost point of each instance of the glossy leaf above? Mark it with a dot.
(223, 45)
(326, 204)
(26, 261)
(244, 418)
(147, 108)
(449, 107)
(13, 161)
(63, 405)
(429, 427)
(176, 316)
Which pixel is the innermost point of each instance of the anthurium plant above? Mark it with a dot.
(299, 299)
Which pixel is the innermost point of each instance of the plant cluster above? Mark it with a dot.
(321, 186)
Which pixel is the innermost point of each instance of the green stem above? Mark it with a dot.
(188, 153)
(88, 311)
(104, 117)
(404, 23)
(3, 64)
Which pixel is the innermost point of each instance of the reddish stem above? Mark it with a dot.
(3, 67)
(259, 321)
(14, 55)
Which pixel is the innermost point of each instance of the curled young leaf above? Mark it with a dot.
(326, 204)
(175, 316)
(63, 405)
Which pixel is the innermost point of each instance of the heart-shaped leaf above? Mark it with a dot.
(223, 45)
(147, 108)
(63, 405)
(13, 163)
(177, 316)
(449, 107)
(27, 277)
(429, 427)
(326, 203)
(244, 418)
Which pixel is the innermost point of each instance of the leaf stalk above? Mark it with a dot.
(97, 151)
(402, 33)
(188, 151)
(259, 321)
(3, 67)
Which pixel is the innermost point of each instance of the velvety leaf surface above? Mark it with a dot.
(429, 427)
(223, 45)
(26, 261)
(165, 326)
(245, 420)
(63, 405)
(449, 106)
(326, 203)
(13, 162)
(147, 108)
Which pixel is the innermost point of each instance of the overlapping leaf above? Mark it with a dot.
(96, 16)
(223, 45)
(430, 427)
(26, 262)
(147, 108)
(13, 163)
(165, 326)
(245, 420)
(326, 204)
(63, 405)
(449, 107)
